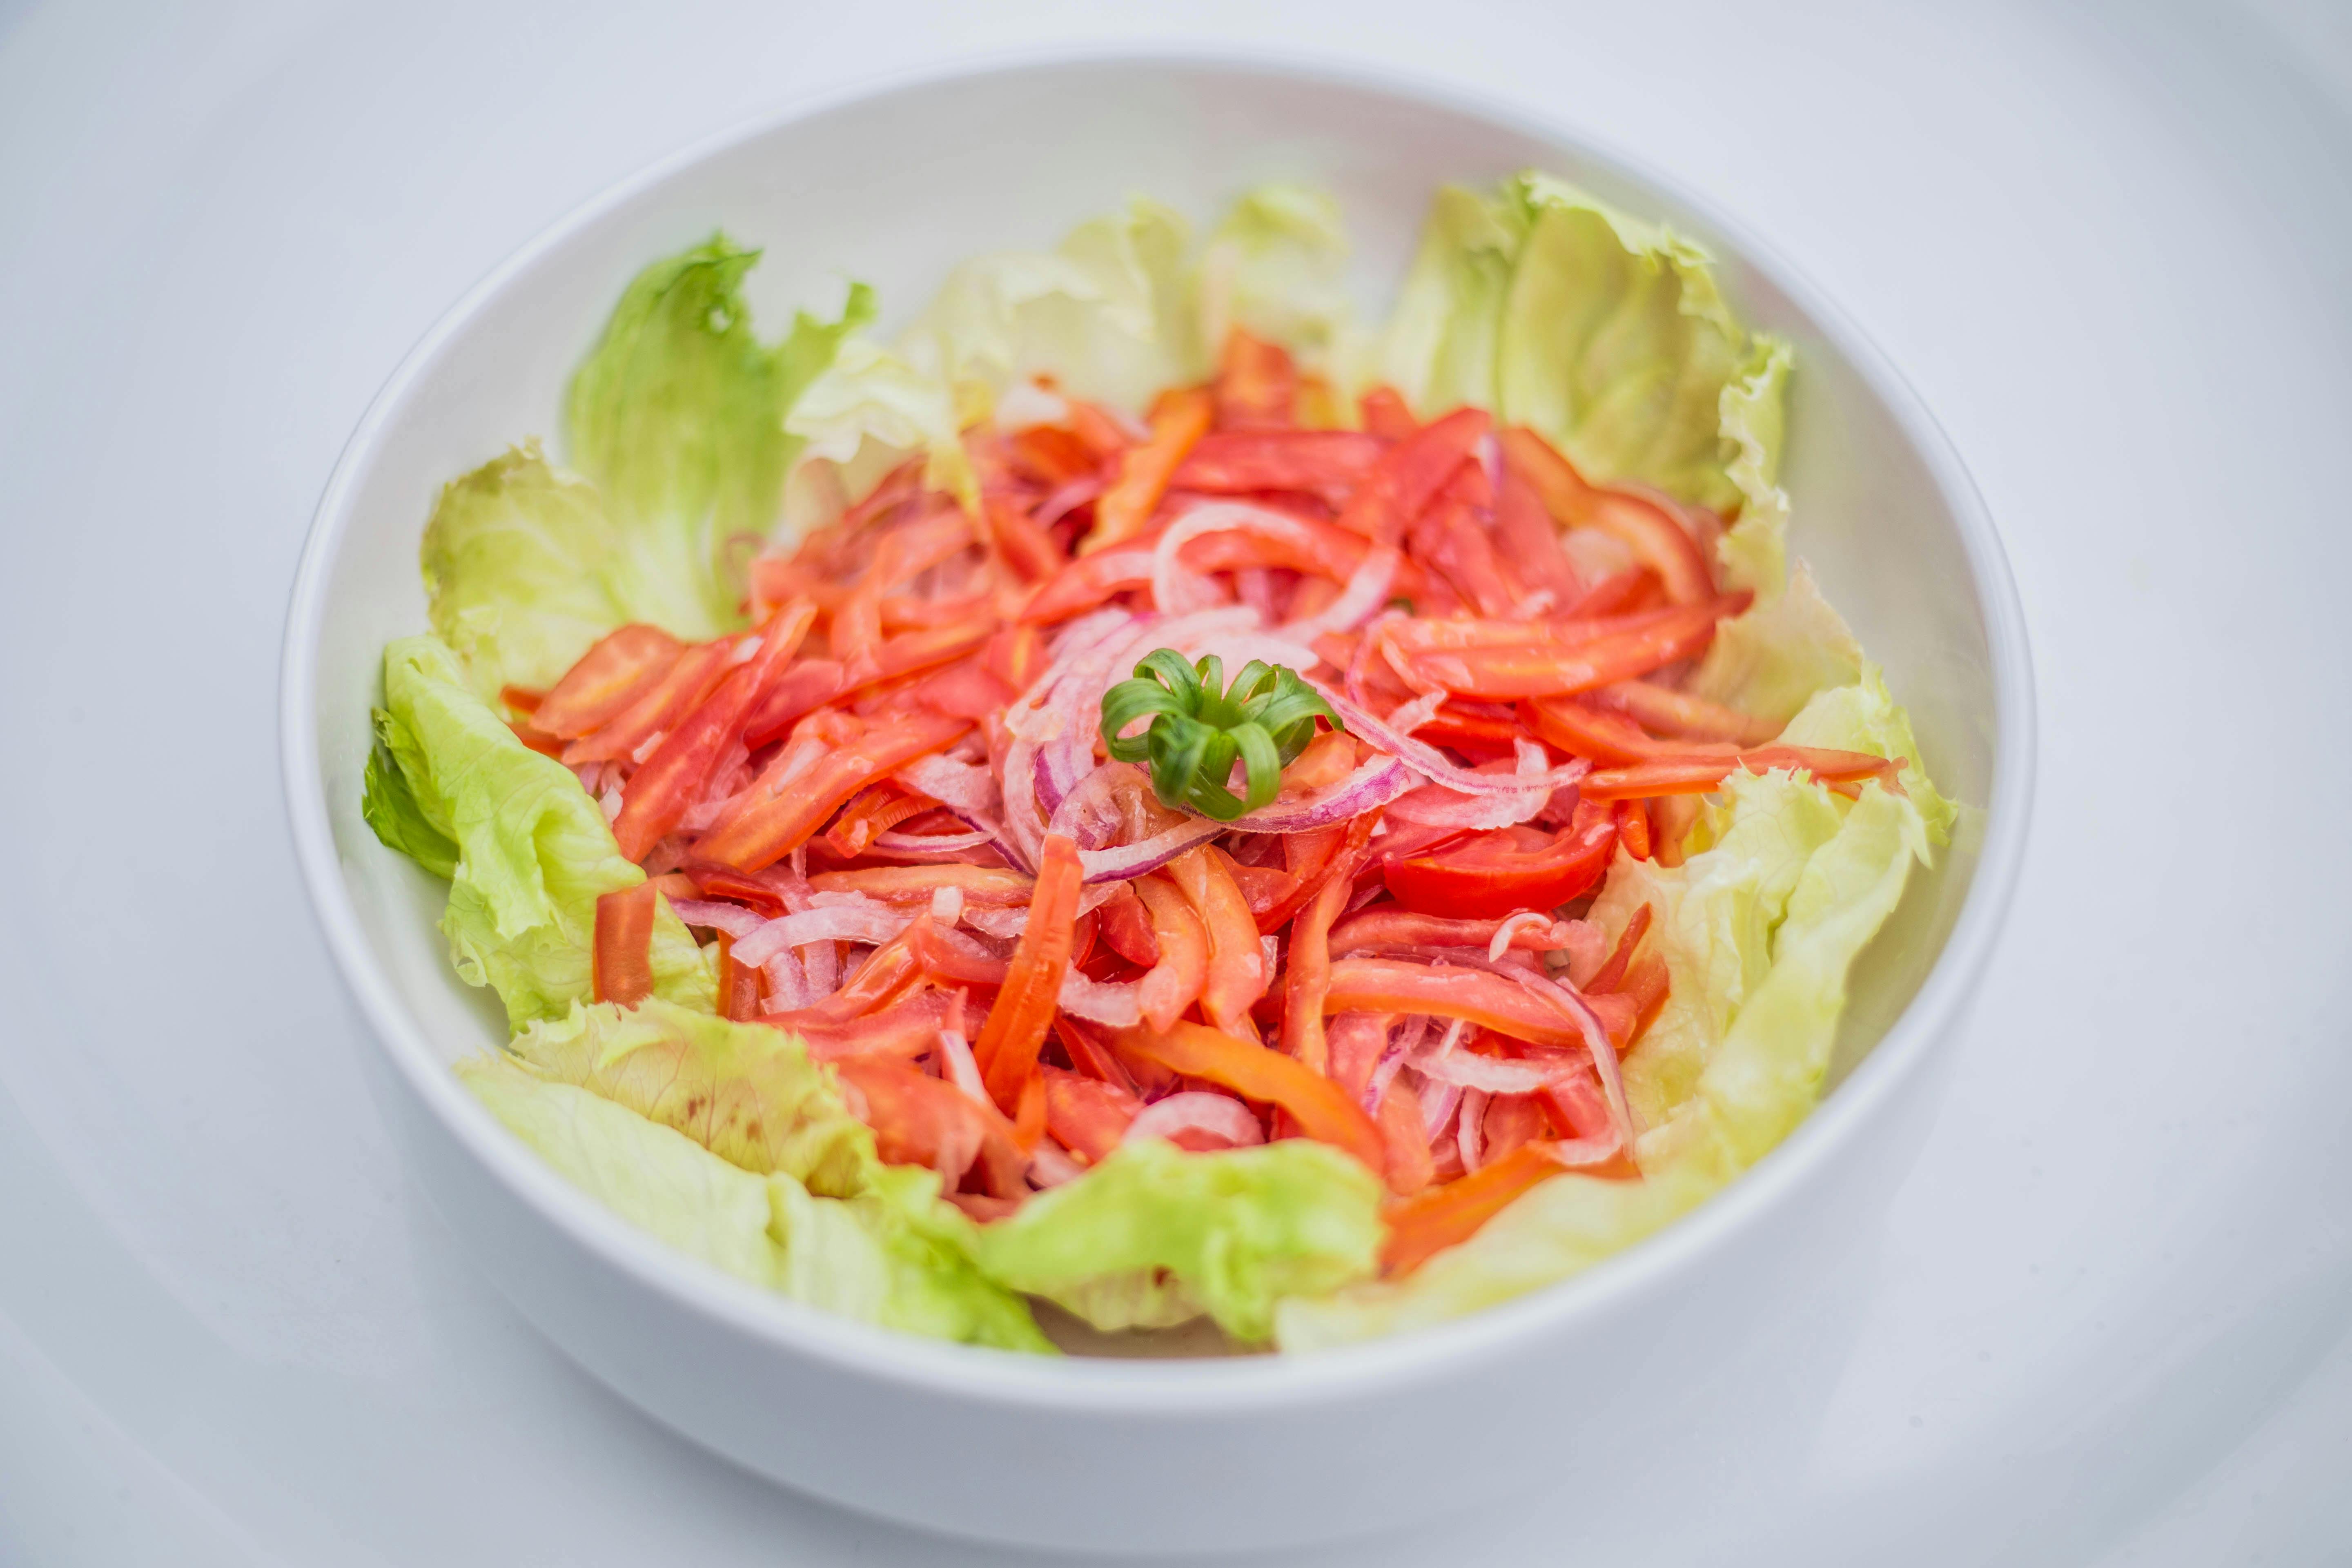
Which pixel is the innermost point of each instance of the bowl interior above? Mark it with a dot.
(893, 188)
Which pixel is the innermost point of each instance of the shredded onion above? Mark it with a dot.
(1470, 1132)
(1099, 1002)
(1425, 761)
(1197, 1110)
(714, 915)
(956, 1066)
(1050, 1165)
(832, 922)
(1366, 590)
(898, 843)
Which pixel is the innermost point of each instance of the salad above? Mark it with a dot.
(1147, 791)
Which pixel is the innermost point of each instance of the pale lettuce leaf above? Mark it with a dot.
(871, 1257)
(1864, 717)
(1439, 348)
(1771, 660)
(533, 851)
(1109, 313)
(1153, 1234)
(867, 414)
(1275, 266)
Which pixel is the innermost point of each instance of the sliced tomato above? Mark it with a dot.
(660, 793)
(1582, 729)
(1384, 413)
(683, 685)
(967, 688)
(1644, 524)
(1007, 1050)
(1619, 593)
(1554, 669)
(1236, 974)
(1180, 418)
(738, 983)
(1529, 543)
(919, 1120)
(1480, 996)
(1842, 770)
(622, 666)
(1257, 386)
(1421, 1226)
(990, 886)
(1325, 463)
(1023, 544)
(1628, 941)
(719, 882)
(1683, 716)
(1182, 942)
(889, 975)
(1321, 1109)
(621, 958)
(1126, 927)
(874, 811)
(761, 831)
(1632, 828)
(1085, 1115)
(1390, 926)
(1404, 1140)
(1410, 473)
(807, 687)
(1505, 871)
(1052, 455)
(950, 963)
(903, 1031)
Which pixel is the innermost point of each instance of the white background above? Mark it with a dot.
(2112, 246)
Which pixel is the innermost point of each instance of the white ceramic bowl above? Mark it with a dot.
(1624, 1389)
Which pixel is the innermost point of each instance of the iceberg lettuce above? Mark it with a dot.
(1109, 313)
(1275, 266)
(1154, 1236)
(526, 850)
(874, 1256)
(675, 426)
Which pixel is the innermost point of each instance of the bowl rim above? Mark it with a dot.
(1183, 1387)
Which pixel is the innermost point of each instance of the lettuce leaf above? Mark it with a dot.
(675, 419)
(1759, 934)
(1275, 266)
(871, 1257)
(1154, 1234)
(1864, 717)
(746, 1093)
(389, 807)
(656, 1179)
(520, 572)
(1108, 313)
(531, 851)
(1439, 348)
(869, 412)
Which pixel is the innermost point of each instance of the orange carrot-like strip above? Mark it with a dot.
(1181, 419)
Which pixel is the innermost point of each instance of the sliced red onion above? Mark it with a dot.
(821, 961)
(788, 986)
(716, 915)
(898, 843)
(1408, 1037)
(1089, 814)
(1425, 761)
(1526, 920)
(1470, 1129)
(956, 1066)
(1439, 1101)
(836, 922)
(1486, 1075)
(1008, 923)
(1024, 832)
(1050, 1165)
(1366, 591)
(1176, 590)
(946, 904)
(1066, 499)
(1407, 717)
(1098, 1001)
(1122, 861)
(1358, 691)
(1596, 1040)
(1197, 1110)
(1588, 950)
(960, 786)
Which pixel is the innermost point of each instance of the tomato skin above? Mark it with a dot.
(622, 666)
(621, 965)
(1322, 1110)
(1007, 1050)
(1180, 418)
(1410, 473)
(1328, 463)
(1086, 1116)
(1488, 877)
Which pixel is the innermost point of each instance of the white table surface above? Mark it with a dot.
(2112, 246)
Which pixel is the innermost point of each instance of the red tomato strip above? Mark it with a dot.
(1182, 419)
(1489, 1000)
(1007, 1047)
(1446, 1216)
(621, 960)
(1410, 474)
(1257, 386)
(1700, 775)
(1657, 539)
(622, 666)
(1320, 1107)
(765, 831)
